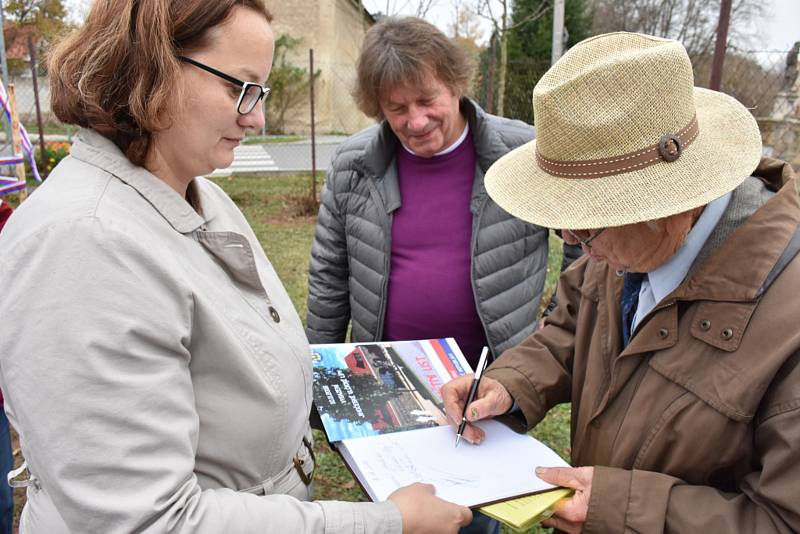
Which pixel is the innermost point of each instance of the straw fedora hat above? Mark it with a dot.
(623, 136)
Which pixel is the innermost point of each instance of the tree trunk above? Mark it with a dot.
(502, 68)
(501, 75)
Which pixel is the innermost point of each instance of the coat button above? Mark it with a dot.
(705, 325)
(663, 333)
(274, 314)
(726, 334)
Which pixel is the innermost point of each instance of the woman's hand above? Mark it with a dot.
(570, 514)
(491, 399)
(424, 513)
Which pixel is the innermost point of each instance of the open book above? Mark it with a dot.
(381, 406)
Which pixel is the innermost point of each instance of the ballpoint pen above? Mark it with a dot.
(473, 390)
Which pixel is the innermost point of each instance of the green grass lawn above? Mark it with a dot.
(274, 207)
(270, 139)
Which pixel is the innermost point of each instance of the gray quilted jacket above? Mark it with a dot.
(350, 258)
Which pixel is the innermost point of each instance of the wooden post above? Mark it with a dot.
(720, 46)
(34, 77)
(492, 62)
(313, 192)
(17, 144)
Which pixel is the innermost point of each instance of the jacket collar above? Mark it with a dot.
(754, 246)
(378, 160)
(764, 234)
(379, 153)
(733, 385)
(99, 151)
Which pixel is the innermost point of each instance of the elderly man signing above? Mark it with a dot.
(676, 337)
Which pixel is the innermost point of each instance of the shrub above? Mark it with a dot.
(55, 151)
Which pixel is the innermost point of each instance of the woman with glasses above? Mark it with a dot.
(153, 364)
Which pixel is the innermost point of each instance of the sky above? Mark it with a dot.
(778, 29)
(781, 24)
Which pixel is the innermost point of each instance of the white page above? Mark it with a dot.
(501, 467)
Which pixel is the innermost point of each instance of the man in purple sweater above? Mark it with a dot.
(408, 244)
(430, 291)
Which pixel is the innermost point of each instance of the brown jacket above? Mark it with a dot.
(697, 421)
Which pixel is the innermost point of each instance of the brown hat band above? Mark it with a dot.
(669, 148)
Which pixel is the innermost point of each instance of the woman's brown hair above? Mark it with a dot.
(117, 73)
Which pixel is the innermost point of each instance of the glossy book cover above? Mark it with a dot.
(368, 389)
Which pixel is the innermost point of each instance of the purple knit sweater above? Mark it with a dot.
(430, 290)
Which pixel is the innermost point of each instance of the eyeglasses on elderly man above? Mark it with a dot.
(580, 236)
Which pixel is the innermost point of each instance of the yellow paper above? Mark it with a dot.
(521, 514)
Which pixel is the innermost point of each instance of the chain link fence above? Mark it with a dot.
(765, 81)
(284, 145)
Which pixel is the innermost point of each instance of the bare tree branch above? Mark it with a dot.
(692, 22)
(424, 7)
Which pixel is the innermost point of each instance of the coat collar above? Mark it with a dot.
(99, 151)
(725, 300)
(754, 247)
(379, 153)
(378, 160)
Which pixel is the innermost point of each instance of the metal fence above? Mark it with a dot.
(264, 152)
(765, 81)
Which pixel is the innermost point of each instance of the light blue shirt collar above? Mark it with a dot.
(665, 279)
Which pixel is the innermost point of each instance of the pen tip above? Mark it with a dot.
(458, 438)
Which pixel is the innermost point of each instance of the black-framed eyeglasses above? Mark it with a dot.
(586, 242)
(251, 93)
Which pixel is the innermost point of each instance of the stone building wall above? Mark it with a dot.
(781, 131)
(335, 30)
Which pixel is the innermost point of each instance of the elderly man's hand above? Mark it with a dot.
(569, 515)
(491, 399)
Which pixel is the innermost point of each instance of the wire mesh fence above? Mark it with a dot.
(765, 81)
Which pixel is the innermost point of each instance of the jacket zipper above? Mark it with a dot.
(473, 244)
(387, 266)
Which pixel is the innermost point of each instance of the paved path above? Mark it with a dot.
(281, 157)
(293, 156)
(249, 158)
(297, 156)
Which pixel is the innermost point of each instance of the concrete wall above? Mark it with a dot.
(780, 131)
(335, 30)
(781, 139)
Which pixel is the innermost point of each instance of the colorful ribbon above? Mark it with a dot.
(5, 185)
